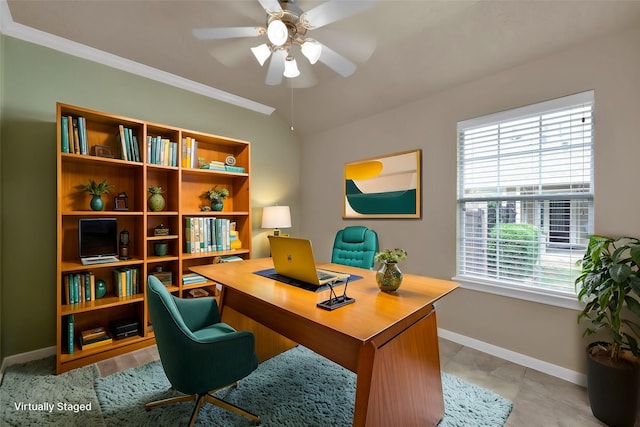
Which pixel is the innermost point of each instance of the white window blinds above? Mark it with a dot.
(525, 193)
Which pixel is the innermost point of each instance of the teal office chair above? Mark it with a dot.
(199, 354)
(355, 246)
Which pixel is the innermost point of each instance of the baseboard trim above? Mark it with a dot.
(512, 356)
(26, 357)
(519, 358)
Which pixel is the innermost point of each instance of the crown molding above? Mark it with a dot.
(10, 28)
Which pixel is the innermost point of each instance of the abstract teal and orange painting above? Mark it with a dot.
(383, 187)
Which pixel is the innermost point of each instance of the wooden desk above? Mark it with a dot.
(389, 340)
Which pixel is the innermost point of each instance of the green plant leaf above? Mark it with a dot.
(635, 254)
(632, 304)
(620, 272)
(633, 344)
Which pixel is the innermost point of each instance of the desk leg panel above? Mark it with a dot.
(399, 383)
(268, 342)
(243, 312)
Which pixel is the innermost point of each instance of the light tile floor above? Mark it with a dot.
(539, 400)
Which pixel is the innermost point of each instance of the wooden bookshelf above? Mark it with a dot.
(183, 183)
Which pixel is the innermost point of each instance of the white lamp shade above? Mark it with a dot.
(276, 217)
(262, 53)
(277, 32)
(291, 68)
(312, 50)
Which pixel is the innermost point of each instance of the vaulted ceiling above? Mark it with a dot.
(404, 50)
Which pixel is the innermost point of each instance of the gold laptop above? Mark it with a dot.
(293, 257)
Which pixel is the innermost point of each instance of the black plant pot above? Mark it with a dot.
(614, 389)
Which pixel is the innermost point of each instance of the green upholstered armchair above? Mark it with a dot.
(199, 353)
(355, 246)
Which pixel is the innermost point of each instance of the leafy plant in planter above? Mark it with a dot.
(156, 201)
(391, 255)
(217, 197)
(609, 285)
(389, 277)
(96, 189)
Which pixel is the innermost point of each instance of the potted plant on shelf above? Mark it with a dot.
(389, 277)
(217, 197)
(156, 200)
(96, 190)
(609, 285)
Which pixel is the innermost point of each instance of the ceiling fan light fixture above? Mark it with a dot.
(312, 50)
(291, 68)
(277, 32)
(262, 53)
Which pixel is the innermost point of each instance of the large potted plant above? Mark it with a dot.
(609, 285)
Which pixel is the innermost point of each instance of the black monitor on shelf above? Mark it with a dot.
(97, 237)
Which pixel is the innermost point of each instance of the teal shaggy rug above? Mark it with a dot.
(296, 388)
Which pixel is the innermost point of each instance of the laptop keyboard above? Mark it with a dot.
(324, 276)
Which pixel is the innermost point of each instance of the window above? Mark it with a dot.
(525, 199)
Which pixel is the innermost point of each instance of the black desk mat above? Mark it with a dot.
(271, 274)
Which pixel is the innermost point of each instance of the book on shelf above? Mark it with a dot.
(192, 278)
(79, 287)
(189, 152)
(207, 234)
(162, 151)
(64, 128)
(94, 333)
(82, 135)
(166, 277)
(68, 333)
(76, 136)
(95, 338)
(198, 293)
(230, 168)
(136, 148)
(230, 258)
(126, 281)
(70, 133)
(129, 149)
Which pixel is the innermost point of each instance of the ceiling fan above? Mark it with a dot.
(287, 30)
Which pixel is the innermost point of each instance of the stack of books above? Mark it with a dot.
(192, 278)
(94, 338)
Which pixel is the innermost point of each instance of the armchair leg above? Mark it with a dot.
(231, 407)
(200, 399)
(196, 409)
(169, 400)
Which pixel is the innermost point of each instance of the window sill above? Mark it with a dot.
(546, 296)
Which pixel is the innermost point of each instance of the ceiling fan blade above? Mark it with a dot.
(356, 46)
(276, 68)
(335, 10)
(271, 5)
(337, 62)
(225, 32)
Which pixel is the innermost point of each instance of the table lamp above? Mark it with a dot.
(276, 217)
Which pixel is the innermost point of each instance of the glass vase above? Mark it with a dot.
(389, 277)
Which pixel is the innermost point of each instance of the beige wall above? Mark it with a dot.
(609, 65)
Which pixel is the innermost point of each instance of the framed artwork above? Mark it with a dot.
(383, 187)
